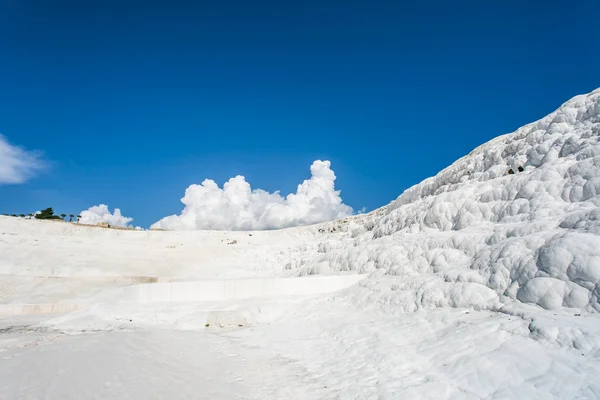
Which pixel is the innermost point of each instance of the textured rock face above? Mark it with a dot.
(477, 235)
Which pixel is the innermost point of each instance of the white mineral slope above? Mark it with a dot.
(49, 261)
(478, 236)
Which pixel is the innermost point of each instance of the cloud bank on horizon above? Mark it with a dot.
(237, 206)
(17, 165)
(101, 213)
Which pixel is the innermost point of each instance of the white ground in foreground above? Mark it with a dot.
(321, 346)
(475, 284)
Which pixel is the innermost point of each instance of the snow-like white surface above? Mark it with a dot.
(477, 236)
(479, 284)
(237, 289)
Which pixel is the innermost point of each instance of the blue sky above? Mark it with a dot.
(131, 102)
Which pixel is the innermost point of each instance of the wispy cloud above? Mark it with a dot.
(17, 164)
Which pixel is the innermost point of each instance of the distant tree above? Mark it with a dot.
(22, 215)
(47, 213)
(78, 218)
(71, 217)
(62, 216)
(13, 215)
(6, 215)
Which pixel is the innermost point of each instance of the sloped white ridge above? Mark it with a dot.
(212, 290)
(477, 235)
(49, 308)
(237, 289)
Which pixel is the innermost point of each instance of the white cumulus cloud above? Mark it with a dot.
(237, 207)
(101, 213)
(17, 164)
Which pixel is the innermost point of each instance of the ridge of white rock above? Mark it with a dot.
(517, 219)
